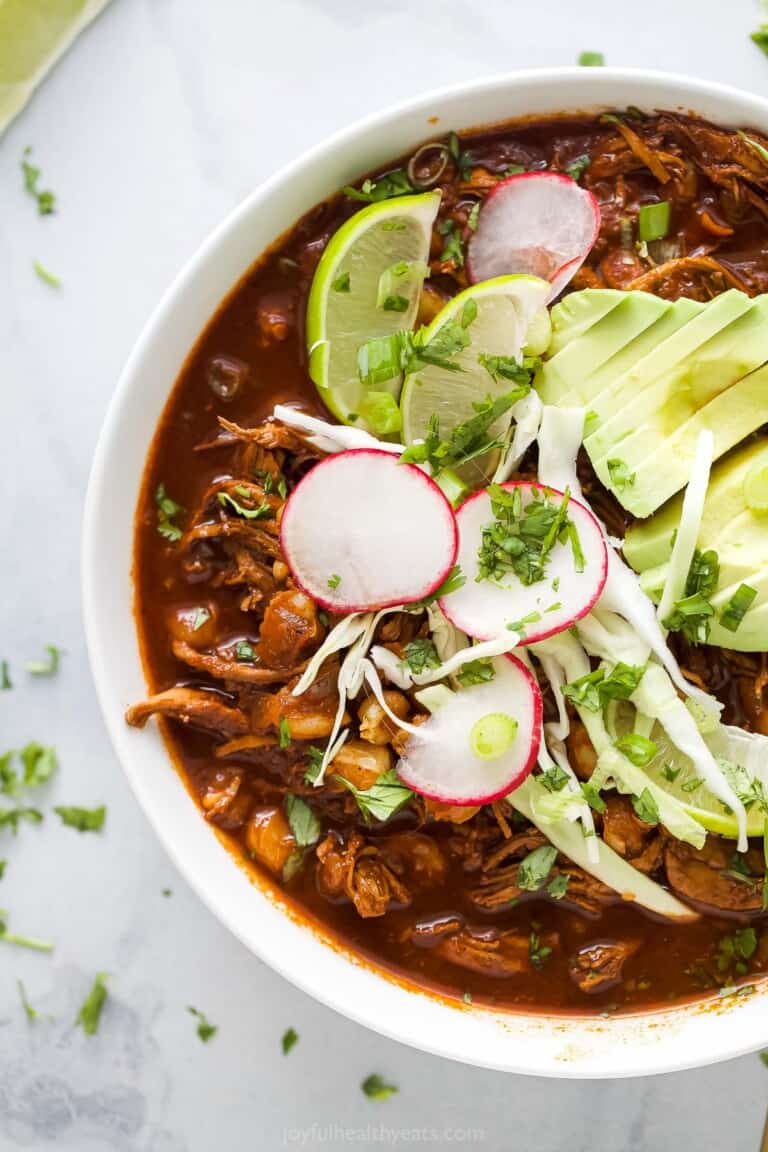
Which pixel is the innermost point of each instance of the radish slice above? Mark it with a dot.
(362, 531)
(541, 223)
(439, 760)
(488, 608)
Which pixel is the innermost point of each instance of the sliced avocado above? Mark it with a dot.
(584, 355)
(594, 391)
(731, 416)
(750, 636)
(735, 352)
(648, 543)
(579, 311)
(666, 376)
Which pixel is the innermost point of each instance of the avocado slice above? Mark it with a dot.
(648, 543)
(731, 416)
(578, 311)
(581, 357)
(599, 385)
(736, 531)
(637, 430)
(667, 376)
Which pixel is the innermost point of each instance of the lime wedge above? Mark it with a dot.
(676, 774)
(367, 285)
(507, 311)
(33, 35)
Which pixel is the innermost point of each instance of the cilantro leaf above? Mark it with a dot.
(303, 822)
(289, 1040)
(375, 1087)
(383, 799)
(83, 819)
(167, 511)
(421, 655)
(205, 1030)
(533, 870)
(90, 1010)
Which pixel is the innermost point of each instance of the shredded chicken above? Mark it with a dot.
(349, 868)
(490, 952)
(599, 966)
(200, 708)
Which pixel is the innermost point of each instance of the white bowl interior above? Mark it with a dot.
(562, 1046)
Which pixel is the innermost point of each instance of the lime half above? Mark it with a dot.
(367, 285)
(507, 312)
(33, 35)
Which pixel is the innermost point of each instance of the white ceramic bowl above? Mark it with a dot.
(561, 1046)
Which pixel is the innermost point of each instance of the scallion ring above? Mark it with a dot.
(441, 151)
(493, 735)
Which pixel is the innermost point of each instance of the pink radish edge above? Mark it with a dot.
(537, 705)
(533, 637)
(565, 271)
(338, 605)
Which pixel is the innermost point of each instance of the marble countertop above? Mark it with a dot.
(162, 117)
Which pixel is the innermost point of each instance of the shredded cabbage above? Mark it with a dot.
(610, 868)
(655, 696)
(526, 414)
(331, 437)
(689, 526)
(613, 768)
(560, 436)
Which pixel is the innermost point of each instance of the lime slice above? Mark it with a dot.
(508, 310)
(367, 285)
(33, 35)
(676, 774)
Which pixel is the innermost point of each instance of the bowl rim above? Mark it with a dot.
(557, 1046)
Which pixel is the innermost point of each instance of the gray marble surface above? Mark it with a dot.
(163, 116)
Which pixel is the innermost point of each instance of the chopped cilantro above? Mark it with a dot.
(11, 817)
(578, 167)
(692, 614)
(592, 796)
(474, 216)
(90, 1010)
(82, 819)
(264, 511)
(475, 672)
(201, 616)
(453, 246)
(620, 475)
(205, 1030)
(341, 284)
(334, 581)
(383, 188)
(375, 1087)
(760, 37)
(533, 870)
(245, 652)
(537, 951)
(521, 537)
(383, 799)
(303, 822)
(554, 779)
(167, 511)
(421, 655)
(289, 1040)
(314, 761)
(454, 580)
(558, 886)
(39, 764)
(508, 368)
(395, 303)
(6, 684)
(595, 689)
(591, 59)
(285, 733)
(46, 201)
(646, 808)
(467, 440)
